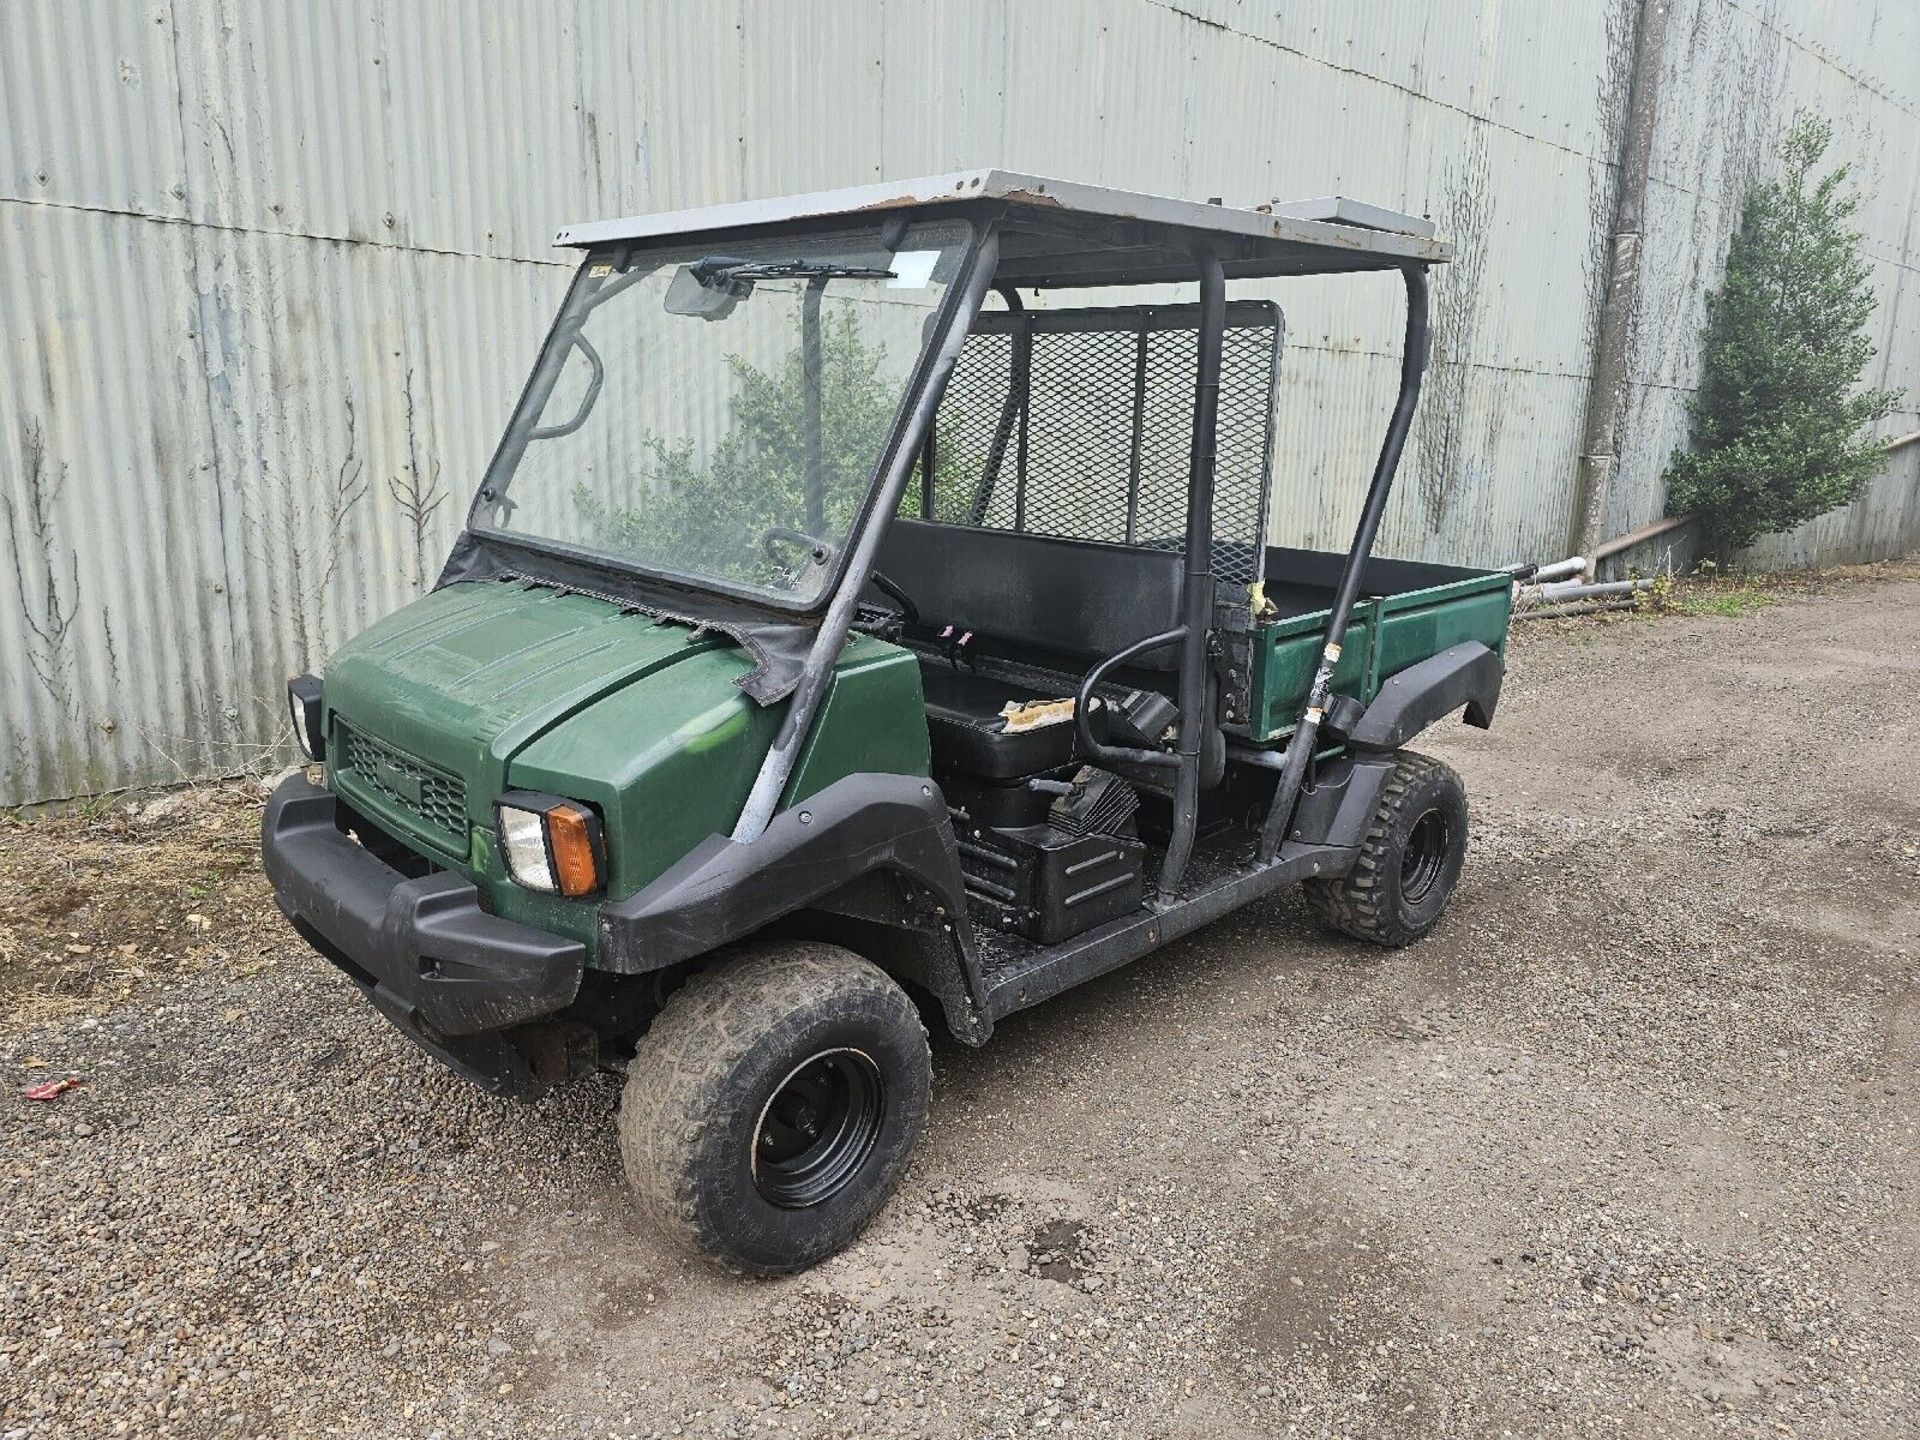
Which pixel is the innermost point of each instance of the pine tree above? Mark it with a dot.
(1779, 427)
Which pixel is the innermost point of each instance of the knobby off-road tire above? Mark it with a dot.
(771, 1108)
(1409, 860)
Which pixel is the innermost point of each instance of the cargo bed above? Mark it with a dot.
(1408, 611)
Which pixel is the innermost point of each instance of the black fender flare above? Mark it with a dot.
(1468, 674)
(812, 851)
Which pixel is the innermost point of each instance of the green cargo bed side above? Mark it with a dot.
(1385, 635)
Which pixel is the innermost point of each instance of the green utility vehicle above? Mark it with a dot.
(840, 636)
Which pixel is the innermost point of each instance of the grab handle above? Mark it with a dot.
(596, 380)
(1114, 754)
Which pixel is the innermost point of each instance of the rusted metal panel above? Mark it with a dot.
(102, 73)
(1451, 500)
(204, 491)
(111, 637)
(1882, 525)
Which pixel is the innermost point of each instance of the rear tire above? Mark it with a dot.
(770, 1110)
(1409, 860)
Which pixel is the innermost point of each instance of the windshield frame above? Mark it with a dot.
(558, 344)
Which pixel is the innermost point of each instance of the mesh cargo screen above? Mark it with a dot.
(1099, 449)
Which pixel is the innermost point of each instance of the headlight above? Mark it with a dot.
(303, 700)
(550, 844)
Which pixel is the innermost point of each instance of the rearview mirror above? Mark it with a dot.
(709, 296)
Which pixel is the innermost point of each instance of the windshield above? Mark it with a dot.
(718, 413)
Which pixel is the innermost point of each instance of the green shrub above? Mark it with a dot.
(1779, 427)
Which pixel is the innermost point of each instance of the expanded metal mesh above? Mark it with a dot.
(408, 785)
(1079, 424)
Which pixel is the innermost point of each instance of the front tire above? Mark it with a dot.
(1409, 860)
(771, 1109)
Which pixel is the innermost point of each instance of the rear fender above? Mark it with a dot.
(1468, 674)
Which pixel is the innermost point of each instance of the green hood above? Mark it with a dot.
(464, 678)
(487, 686)
(484, 668)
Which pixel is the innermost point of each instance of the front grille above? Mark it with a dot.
(434, 798)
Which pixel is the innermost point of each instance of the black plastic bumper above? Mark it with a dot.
(450, 975)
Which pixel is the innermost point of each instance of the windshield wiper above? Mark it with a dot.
(711, 268)
(712, 285)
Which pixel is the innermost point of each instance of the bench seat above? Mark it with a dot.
(968, 733)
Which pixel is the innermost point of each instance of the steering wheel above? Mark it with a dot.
(909, 611)
(818, 550)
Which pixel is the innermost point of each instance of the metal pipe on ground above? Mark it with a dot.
(1574, 590)
(1584, 607)
(1559, 569)
(1640, 537)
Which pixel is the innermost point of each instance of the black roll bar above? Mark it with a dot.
(929, 380)
(1099, 750)
(811, 365)
(1196, 589)
(1300, 745)
(1013, 414)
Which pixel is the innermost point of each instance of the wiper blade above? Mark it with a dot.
(712, 285)
(726, 267)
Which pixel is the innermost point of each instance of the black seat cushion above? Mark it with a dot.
(1078, 600)
(969, 734)
(1059, 603)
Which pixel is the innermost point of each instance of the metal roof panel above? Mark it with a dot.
(1339, 229)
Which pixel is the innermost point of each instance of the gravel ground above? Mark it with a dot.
(1628, 1147)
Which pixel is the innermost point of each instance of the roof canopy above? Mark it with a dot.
(1056, 233)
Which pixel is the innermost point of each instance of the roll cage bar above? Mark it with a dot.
(1043, 234)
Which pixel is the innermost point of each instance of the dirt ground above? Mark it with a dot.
(114, 897)
(1630, 1146)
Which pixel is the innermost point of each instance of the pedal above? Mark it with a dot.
(1097, 802)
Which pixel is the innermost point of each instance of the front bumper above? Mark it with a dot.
(448, 974)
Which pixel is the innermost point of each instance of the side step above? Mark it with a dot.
(1018, 974)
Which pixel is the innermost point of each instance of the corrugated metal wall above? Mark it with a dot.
(1734, 73)
(270, 276)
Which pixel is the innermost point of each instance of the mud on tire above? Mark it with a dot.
(770, 1110)
(1409, 860)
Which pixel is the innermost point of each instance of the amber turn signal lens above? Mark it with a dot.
(575, 864)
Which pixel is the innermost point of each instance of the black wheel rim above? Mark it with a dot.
(817, 1128)
(1425, 857)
